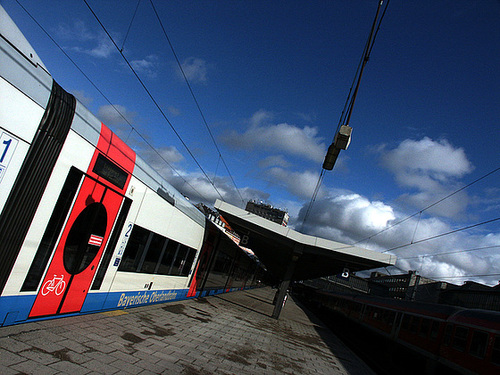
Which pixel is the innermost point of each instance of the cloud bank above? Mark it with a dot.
(290, 139)
(430, 170)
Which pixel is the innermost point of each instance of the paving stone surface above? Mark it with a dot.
(225, 334)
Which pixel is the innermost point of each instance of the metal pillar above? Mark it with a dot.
(285, 283)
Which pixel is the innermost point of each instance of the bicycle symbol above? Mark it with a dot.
(56, 285)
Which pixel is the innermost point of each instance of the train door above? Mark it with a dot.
(79, 250)
(84, 236)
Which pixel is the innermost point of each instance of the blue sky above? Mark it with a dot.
(272, 78)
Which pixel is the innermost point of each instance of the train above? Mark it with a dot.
(420, 337)
(86, 225)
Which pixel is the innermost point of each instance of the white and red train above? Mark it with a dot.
(421, 337)
(85, 224)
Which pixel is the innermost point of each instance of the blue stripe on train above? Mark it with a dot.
(15, 309)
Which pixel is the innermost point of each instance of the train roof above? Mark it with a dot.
(477, 318)
(412, 307)
(12, 34)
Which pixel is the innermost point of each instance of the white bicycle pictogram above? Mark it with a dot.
(56, 285)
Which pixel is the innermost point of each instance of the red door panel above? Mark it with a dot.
(86, 232)
(96, 234)
(79, 250)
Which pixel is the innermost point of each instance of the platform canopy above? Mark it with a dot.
(277, 246)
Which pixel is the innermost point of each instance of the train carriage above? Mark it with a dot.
(432, 338)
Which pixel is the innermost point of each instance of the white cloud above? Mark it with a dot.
(261, 117)
(194, 185)
(199, 189)
(432, 168)
(115, 115)
(274, 161)
(168, 153)
(94, 44)
(437, 160)
(77, 31)
(351, 214)
(147, 66)
(103, 49)
(174, 111)
(290, 139)
(300, 184)
(195, 70)
(350, 218)
(82, 97)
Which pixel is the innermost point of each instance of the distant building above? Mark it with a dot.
(413, 287)
(218, 220)
(403, 286)
(349, 285)
(268, 212)
(472, 295)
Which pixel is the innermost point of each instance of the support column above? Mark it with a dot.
(285, 283)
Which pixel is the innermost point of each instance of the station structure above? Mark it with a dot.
(293, 256)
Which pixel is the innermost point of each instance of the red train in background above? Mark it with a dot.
(428, 338)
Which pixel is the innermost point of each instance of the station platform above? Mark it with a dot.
(224, 334)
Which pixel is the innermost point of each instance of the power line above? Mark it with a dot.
(194, 97)
(446, 277)
(334, 149)
(130, 24)
(465, 276)
(133, 129)
(450, 252)
(429, 206)
(443, 234)
(153, 99)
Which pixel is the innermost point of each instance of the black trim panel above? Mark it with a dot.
(33, 177)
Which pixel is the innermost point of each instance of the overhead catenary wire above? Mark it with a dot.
(130, 24)
(194, 98)
(444, 277)
(153, 99)
(466, 276)
(450, 252)
(133, 129)
(399, 222)
(442, 234)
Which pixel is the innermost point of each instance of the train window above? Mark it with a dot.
(135, 248)
(152, 256)
(405, 324)
(179, 261)
(434, 329)
(222, 263)
(389, 317)
(52, 231)
(460, 338)
(478, 344)
(168, 257)
(495, 353)
(79, 251)
(424, 327)
(414, 324)
(113, 240)
(188, 262)
(447, 334)
(149, 252)
(110, 171)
